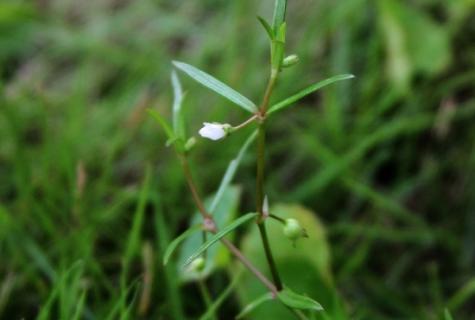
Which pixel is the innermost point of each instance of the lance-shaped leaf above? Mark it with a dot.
(216, 85)
(230, 172)
(297, 301)
(266, 27)
(254, 304)
(216, 237)
(314, 87)
(279, 14)
(176, 242)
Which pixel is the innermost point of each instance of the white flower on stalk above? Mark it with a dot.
(215, 131)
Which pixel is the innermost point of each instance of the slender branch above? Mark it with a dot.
(210, 226)
(191, 185)
(272, 288)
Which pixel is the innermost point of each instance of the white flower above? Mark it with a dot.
(214, 131)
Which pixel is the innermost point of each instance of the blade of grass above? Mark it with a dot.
(80, 306)
(213, 308)
(171, 285)
(132, 245)
(462, 295)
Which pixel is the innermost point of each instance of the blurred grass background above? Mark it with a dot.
(386, 161)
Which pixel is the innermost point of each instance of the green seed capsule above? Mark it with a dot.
(293, 230)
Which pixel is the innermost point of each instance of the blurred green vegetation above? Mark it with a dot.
(387, 161)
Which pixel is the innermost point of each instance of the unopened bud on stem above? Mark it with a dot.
(290, 60)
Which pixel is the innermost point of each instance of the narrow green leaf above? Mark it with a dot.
(216, 237)
(217, 86)
(231, 171)
(462, 295)
(254, 304)
(279, 14)
(447, 315)
(170, 285)
(267, 27)
(298, 301)
(133, 240)
(219, 300)
(115, 311)
(178, 123)
(162, 122)
(314, 87)
(174, 244)
(80, 306)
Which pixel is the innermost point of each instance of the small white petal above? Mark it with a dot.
(213, 131)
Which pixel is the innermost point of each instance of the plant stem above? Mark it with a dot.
(261, 144)
(191, 185)
(208, 218)
(269, 256)
(268, 92)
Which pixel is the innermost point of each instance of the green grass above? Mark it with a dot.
(386, 160)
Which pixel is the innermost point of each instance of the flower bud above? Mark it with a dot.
(290, 60)
(197, 265)
(215, 131)
(293, 230)
(190, 143)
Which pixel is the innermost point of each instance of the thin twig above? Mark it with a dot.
(209, 221)
(245, 123)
